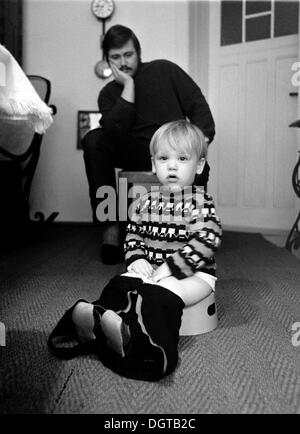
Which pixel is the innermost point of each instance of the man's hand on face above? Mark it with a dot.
(121, 77)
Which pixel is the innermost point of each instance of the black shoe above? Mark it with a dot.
(111, 254)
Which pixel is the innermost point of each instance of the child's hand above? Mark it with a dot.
(141, 266)
(161, 272)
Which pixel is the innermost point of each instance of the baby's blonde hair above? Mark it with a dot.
(180, 135)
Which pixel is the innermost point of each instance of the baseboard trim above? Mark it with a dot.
(260, 230)
(71, 223)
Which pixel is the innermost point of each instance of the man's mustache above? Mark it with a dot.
(125, 69)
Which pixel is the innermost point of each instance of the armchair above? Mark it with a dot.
(19, 155)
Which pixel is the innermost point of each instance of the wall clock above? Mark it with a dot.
(102, 9)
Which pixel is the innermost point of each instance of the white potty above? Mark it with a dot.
(200, 317)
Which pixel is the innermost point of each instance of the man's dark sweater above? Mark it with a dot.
(163, 93)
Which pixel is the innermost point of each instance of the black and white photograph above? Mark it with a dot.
(150, 210)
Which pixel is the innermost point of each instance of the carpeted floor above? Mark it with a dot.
(247, 365)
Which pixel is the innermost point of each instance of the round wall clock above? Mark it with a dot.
(102, 9)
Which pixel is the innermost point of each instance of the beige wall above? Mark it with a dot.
(61, 42)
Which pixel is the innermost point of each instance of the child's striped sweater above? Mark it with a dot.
(180, 228)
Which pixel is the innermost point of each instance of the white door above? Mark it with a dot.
(253, 101)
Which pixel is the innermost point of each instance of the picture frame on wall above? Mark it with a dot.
(86, 120)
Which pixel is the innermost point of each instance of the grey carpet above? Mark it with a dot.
(247, 365)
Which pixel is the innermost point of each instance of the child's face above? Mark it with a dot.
(176, 169)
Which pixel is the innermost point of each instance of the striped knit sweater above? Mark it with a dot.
(179, 228)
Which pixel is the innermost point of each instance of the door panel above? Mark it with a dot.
(228, 149)
(255, 134)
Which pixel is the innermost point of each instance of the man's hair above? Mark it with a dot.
(180, 135)
(116, 37)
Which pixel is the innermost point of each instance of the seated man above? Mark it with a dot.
(142, 97)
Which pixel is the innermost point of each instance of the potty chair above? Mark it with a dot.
(200, 317)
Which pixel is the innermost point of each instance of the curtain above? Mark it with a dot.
(11, 27)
